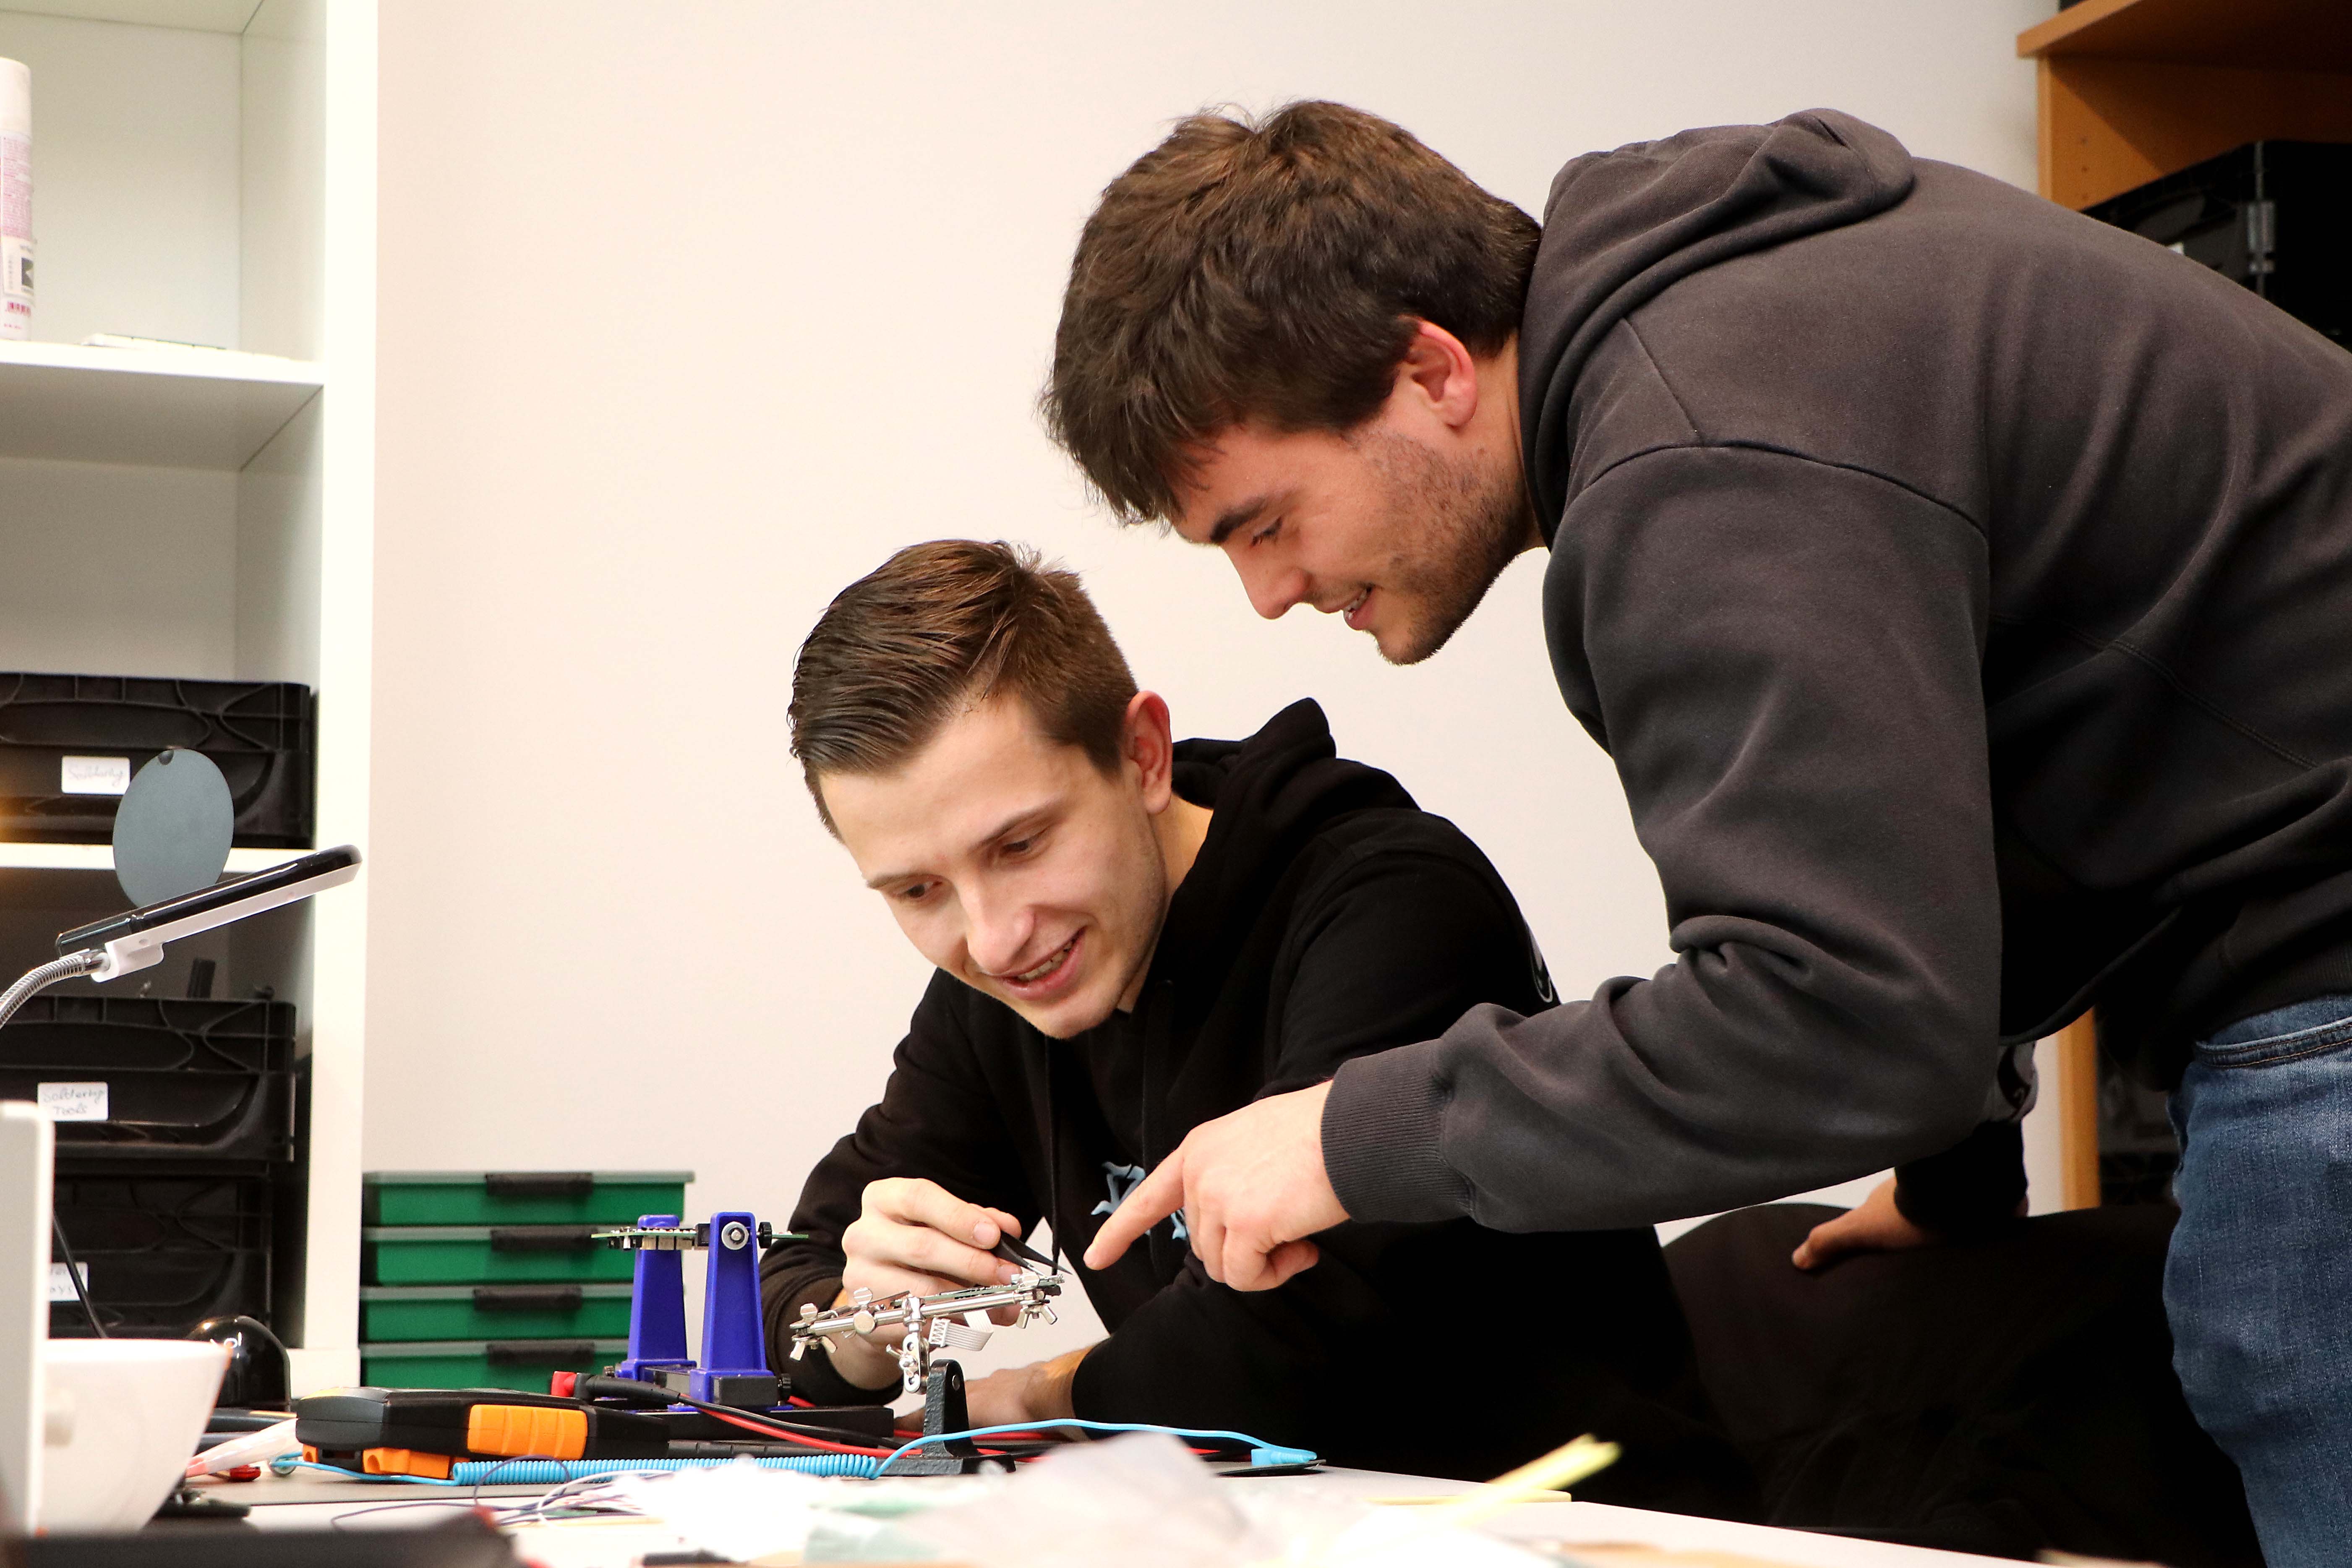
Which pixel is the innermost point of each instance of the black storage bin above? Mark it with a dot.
(212, 1081)
(165, 1252)
(2273, 215)
(261, 734)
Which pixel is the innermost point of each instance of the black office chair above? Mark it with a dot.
(2003, 1396)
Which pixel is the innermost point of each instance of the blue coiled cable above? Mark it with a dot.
(551, 1472)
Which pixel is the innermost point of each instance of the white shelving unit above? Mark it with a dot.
(191, 409)
(205, 171)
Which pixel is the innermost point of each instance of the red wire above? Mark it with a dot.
(750, 1424)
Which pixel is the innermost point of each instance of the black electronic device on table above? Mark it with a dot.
(422, 1431)
(428, 1431)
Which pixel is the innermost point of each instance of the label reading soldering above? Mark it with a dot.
(94, 775)
(61, 1286)
(73, 1102)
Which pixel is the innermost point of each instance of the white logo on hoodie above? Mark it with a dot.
(1124, 1179)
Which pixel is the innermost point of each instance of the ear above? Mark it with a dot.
(1438, 377)
(1149, 750)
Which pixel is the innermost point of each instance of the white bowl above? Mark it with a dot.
(123, 1418)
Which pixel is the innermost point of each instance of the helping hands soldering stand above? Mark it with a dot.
(734, 1366)
(954, 1319)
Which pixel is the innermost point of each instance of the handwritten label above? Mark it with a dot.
(73, 1102)
(94, 775)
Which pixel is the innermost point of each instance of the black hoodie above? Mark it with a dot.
(1963, 589)
(1325, 916)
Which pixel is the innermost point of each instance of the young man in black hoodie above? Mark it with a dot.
(1963, 589)
(1134, 936)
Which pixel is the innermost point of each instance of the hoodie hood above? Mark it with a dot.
(1621, 226)
(1270, 794)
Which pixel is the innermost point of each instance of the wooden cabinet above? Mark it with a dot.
(2128, 91)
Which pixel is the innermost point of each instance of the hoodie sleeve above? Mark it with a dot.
(1393, 945)
(1782, 657)
(938, 1119)
(1972, 1188)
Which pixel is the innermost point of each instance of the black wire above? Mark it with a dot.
(73, 1272)
(630, 1388)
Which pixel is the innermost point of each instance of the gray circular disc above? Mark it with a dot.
(172, 831)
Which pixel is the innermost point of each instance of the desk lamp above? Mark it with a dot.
(172, 837)
(125, 943)
(173, 826)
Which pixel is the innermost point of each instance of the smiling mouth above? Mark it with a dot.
(1354, 608)
(1053, 963)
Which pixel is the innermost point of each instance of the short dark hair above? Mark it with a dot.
(1267, 269)
(941, 626)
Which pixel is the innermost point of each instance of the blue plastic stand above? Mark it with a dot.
(657, 1311)
(732, 1343)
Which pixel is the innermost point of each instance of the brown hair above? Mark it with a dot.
(1267, 270)
(941, 626)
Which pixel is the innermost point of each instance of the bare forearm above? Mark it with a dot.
(1051, 1395)
(1039, 1392)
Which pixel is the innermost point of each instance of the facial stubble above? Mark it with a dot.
(1458, 527)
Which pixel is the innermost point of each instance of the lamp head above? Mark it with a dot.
(135, 940)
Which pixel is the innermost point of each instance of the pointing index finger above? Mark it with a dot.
(1156, 1197)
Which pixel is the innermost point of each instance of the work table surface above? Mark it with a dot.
(313, 1501)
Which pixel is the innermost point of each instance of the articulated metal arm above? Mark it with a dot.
(954, 1319)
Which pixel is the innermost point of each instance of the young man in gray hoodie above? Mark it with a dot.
(1963, 590)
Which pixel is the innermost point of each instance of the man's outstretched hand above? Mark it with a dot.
(1873, 1225)
(1253, 1189)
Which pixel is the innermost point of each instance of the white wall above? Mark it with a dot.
(692, 314)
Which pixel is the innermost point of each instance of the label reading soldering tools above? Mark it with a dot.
(93, 775)
(73, 1102)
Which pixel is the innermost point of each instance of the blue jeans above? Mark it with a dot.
(2258, 1285)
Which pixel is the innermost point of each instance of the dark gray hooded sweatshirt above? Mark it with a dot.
(1963, 589)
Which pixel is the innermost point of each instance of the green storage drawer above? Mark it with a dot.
(519, 1197)
(520, 1364)
(403, 1312)
(489, 1255)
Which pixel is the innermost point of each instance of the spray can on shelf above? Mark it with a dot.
(15, 200)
